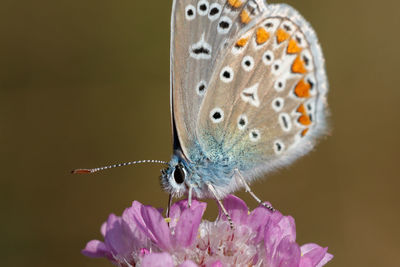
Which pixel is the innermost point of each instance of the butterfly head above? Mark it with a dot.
(174, 179)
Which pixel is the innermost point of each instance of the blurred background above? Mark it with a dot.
(86, 84)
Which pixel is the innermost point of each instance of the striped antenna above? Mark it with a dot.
(82, 171)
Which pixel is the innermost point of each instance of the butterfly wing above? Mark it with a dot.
(200, 32)
(266, 102)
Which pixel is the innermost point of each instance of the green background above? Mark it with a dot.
(86, 83)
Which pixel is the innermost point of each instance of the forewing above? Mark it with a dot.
(266, 103)
(200, 32)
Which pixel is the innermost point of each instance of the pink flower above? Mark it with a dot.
(141, 236)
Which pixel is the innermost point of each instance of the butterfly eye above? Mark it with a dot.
(179, 174)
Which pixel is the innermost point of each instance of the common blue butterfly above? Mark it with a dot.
(248, 94)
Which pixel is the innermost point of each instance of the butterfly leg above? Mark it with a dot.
(190, 196)
(169, 207)
(248, 190)
(212, 189)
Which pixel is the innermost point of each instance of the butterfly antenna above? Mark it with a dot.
(83, 171)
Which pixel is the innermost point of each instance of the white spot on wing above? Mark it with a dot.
(285, 122)
(272, 24)
(249, 95)
(190, 12)
(248, 63)
(280, 85)
(300, 39)
(226, 74)
(276, 67)
(278, 147)
(288, 27)
(254, 135)
(307, 59)
(268, 57)
(310, 78)
(201, 88)
(242, 122)
(277, 104)
(201, 49)
(224, 25)
(215, 11)
(202, 7)
(217, 115)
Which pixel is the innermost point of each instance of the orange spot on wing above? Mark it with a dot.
(235, 3)
(242, 42)
(301, 109)
(304, 132)
(293, 47)
(302, 89)
(298, 66)
(261, 36)
(305, 119)
(245, 17)
(282, 35)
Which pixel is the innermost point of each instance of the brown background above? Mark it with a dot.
(86, 83)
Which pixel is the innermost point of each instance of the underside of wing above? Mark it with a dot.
(266, 102)
(200, 32)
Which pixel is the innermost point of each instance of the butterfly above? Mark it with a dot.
(248, 94)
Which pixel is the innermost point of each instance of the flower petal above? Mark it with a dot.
(287, 253)
(236, 208)
(150, 222)
(154, 227)
(157, 260)
(119, 239)
(325, 260)
(188, 263)
(257, 220)
(187, 227)
(215, 264)
(103, 229)
(313, 252)
(96, 249)
(278, 228)
(178, 207)
(132, 216)
(305, 262)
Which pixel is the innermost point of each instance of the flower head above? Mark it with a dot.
(141, 236)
